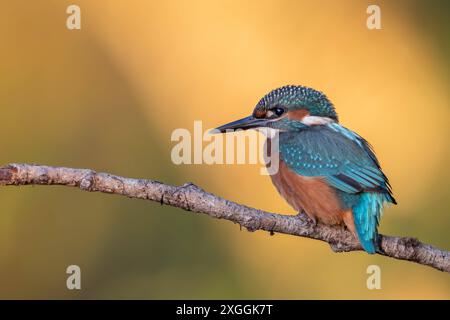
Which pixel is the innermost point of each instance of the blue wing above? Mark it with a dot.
(344, 158)
(348, 163)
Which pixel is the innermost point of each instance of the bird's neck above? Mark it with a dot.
(307, 122)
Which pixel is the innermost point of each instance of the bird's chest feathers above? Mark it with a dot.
(310, 194)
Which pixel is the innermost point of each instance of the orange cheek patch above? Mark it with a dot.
(260, 114)
(298, 114)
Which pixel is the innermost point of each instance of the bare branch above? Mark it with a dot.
(192, 198)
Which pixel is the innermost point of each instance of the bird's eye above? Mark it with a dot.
(278, 111)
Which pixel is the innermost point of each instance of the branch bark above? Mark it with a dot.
(192, 198)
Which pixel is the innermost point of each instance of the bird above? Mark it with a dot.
(326, 170)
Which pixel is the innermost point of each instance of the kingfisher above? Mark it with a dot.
(325, 170)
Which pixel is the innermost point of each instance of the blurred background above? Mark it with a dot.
(108, 97)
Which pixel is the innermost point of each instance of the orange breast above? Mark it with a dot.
(309, 194)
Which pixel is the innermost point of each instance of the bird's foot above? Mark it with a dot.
(378, 248)
(311, 219)
(351, 230)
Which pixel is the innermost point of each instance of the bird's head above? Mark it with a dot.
(288, 108)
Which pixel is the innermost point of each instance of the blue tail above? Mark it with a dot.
(367, 213)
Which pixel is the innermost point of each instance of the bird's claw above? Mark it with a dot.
(311, 219)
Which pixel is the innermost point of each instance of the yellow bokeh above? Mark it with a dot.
(109, 96)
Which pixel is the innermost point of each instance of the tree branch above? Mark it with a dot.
(192, 198)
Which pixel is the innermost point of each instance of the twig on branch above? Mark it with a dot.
(192, 198)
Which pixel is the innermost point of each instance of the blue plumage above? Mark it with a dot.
(330, 172)
(348, 163)
(367, 213)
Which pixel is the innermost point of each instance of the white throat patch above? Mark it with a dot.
(314, 120)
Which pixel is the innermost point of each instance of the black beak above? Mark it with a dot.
(244, 124)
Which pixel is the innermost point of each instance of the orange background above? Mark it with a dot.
(108, 97)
